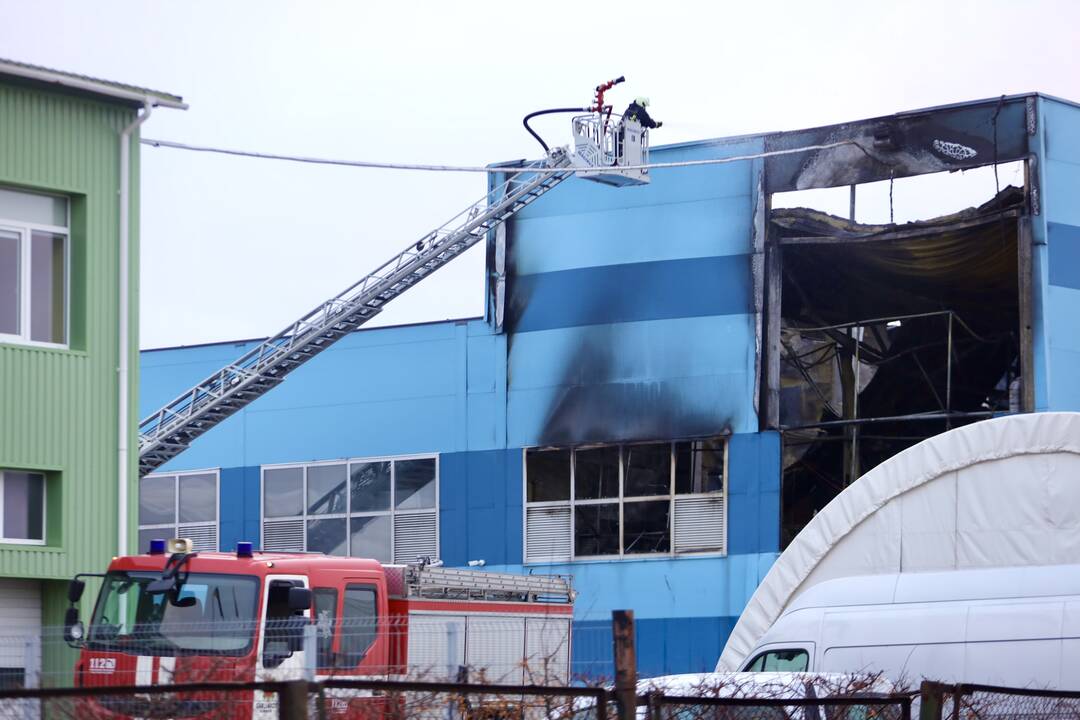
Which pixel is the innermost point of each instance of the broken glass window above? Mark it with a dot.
(547, 474)
(647, 527)
(596, 529)
(648, 470)
(699, 466)
(596, 473)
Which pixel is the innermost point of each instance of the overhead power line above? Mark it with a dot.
(370, 164)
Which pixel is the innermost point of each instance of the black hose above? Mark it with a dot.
(551, 111)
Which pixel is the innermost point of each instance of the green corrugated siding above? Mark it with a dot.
(58, 409)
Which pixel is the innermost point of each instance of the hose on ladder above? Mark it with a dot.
(598, 107)
(550, 111)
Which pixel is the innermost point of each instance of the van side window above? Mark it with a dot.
(359, 625)
(325, 614)
(791, 660)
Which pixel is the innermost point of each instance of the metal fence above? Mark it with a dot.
(451, 668)
(397, 700)
(850, 707)
(980, 702)
(369, 699)
(385, 699)
(528, 650)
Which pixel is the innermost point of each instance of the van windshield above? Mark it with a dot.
(789, 660)
(208, 614)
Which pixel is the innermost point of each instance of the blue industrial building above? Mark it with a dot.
(655, 364)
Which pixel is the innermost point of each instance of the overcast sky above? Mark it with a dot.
(236, 248)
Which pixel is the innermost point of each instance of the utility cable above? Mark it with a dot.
(493, 170)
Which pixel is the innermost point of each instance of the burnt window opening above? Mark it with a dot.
(907, 199)
(659, 498)
(548, 475)
(888, 334)
(699, 467)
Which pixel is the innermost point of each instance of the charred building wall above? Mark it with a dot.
(630, 312)
(669, 379)
(879, 336)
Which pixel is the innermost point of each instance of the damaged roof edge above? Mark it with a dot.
(129, 94)
(899, 114)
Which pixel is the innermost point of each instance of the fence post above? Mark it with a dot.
(32, 678)
(622, 631)
(653, 708)
(311, 651)
(931, 696)
(292, 700)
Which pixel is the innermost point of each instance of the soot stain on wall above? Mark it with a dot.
(590, 404)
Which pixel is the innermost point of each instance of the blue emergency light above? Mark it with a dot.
(157, 547)
(243, 550)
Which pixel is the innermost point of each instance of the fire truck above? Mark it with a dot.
(173, 616)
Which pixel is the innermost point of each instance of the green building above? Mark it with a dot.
(69, 207)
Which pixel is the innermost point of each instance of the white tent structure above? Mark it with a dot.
(998, 493)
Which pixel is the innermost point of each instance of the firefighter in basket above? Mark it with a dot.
(635, 112)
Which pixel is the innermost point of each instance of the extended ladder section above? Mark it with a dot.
(424, 581)
(171, 429)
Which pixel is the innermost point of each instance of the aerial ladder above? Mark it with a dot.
(601, 145)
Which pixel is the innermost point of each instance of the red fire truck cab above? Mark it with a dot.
(182, 616)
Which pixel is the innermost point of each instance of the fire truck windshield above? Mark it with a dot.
(207, 614)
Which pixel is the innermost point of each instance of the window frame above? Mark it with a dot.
(344, 661)
(391, 512)
(573, 503)
(175, 525)
(4, 540)
(773, 649)
(25, 231)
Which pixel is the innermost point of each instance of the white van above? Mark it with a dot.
(1015, 626)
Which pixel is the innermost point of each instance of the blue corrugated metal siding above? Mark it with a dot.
(630, 309)
(240, 519)
(629, 316)
(686, 644)
(1063, 243)
(754, 493)
(658, 290)
(1057, 260)
(639, 312)
(480, 507)
(388, 391)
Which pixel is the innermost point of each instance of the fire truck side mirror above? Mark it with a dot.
(299, 598)
(74, 633)
(75, 590)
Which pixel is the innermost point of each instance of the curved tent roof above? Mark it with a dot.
(998, 493)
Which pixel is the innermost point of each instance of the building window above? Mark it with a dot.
(625, 500)
(381, 508)
(179, 505)
(34, 268)
(22, 507)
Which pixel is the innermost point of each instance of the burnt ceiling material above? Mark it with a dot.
(965, 262)
(901, 145)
